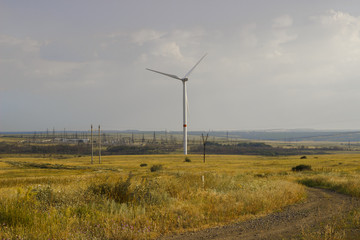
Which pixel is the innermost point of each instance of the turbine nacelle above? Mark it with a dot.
(185, 78)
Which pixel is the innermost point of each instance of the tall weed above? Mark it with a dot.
(343, 185)
(140, 207)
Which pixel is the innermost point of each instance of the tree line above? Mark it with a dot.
(246, 148)
(258, 148)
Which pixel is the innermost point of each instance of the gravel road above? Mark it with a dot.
(320, 206)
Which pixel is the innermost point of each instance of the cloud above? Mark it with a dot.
(248, 37)
(168, 49)
(331, 49)
(345, 33)
(24, 66)
(277, 41)
(282, 21)
(145, 35)
(13, 48)
(322, 54)
(253, 71)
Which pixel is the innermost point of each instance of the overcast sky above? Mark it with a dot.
(271, 64)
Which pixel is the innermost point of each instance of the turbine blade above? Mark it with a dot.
(166, 74)
(188, 74)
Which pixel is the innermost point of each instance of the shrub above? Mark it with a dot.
(187, 159)
(303, 157)
(150, 192)
(301, 167)
(101, 189)
(155, 168)
(44, 194)
(261, 175)
(119, 192)
(143, 165)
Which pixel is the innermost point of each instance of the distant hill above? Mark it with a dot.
(270, 135)
(292, 135)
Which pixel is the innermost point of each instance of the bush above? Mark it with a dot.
(187, 159)
(143, 165)
(119, 192)
(303, 157)
(44, 194)
(301, 167)
(148, 192)
(101, 189)
(155, 168)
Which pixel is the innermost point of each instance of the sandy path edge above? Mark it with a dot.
(320, 206)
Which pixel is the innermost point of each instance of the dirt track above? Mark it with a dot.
(287, 224)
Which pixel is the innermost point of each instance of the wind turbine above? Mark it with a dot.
(185, 101)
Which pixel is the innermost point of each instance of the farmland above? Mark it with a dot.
(63, 196)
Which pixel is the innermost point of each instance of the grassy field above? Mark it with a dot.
(69, 198)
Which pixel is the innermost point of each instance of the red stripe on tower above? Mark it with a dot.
(185, 125)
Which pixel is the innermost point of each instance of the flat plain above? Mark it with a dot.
(152, 196)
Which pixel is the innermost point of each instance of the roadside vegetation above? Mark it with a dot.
(346, 227)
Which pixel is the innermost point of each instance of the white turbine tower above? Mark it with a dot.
(185, 103)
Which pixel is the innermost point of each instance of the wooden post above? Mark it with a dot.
(204, 140)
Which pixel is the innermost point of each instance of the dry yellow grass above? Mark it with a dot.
(93, 200)
(231, 164)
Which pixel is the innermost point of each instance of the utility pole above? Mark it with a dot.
(99, 146)
(92, 145)
(204, 140)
